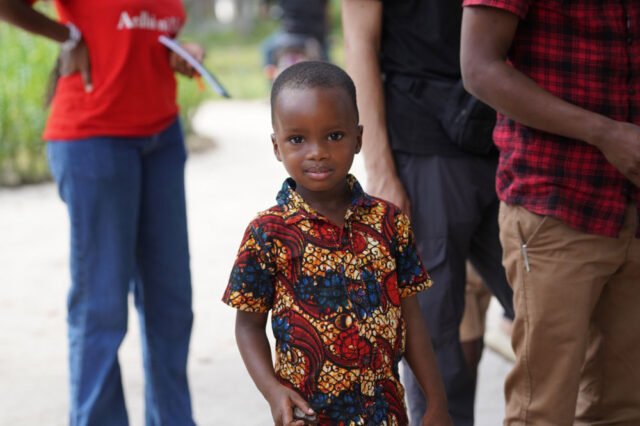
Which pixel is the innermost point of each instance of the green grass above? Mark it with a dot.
(238, 67)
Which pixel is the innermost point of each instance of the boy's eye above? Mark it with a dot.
(335, 136)
(295, 139)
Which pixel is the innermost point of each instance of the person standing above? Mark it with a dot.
(115, 148)
(302, 36)
(423, 153)
(564, 77)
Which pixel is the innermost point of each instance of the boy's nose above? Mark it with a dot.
(317, 150)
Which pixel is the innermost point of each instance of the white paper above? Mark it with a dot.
(208, 77)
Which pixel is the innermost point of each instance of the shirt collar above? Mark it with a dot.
(297, 209)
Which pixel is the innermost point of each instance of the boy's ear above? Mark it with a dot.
(275, 146)
(359, 138)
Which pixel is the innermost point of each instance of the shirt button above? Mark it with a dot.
(629, 40)
(631, 91)
(625, 191)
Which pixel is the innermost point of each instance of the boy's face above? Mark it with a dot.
(316, 134)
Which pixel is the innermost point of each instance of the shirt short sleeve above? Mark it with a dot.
(517, 7)
(412, 276)
(251, 284)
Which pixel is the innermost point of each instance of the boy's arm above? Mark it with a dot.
(421, 358)
(256, 354)
(486, 75)
(362, 27)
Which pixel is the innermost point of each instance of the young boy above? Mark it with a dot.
(337, 268)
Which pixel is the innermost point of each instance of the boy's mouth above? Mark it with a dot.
(318, 172)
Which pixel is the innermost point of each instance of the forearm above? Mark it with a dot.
(420, 356)
(503, 87)
(255, 351)
(361, 20)
(487, 76)
(365, 71)
(20, 14)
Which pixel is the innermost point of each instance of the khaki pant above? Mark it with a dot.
(576, 332)
(476, 302)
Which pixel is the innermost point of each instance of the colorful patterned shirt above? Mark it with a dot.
(335, 296)
(586, 52)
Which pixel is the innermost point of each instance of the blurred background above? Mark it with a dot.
(232, 32)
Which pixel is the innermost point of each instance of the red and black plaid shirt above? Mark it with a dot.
(586, 52)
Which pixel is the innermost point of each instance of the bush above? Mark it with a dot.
(25, 65)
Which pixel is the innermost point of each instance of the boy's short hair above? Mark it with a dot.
(313, 74)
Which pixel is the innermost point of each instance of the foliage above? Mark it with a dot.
(25, 65)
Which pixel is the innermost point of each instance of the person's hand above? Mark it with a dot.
(390, 188)
(437, 417)
(282, 400)
(621, 147)
(77, 60)
(180, 65)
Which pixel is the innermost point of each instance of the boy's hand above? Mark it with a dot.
(437, 417)
(256, 354)
(282, 400)
(419, 354)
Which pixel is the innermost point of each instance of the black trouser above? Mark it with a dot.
(454, 214)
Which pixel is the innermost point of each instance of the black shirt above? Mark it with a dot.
(422, 38)
(420, 58)
(307, 17)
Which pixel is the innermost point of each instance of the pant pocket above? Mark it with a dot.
(529, 225)
(520, 232)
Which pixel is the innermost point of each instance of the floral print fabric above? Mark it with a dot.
(335, 296)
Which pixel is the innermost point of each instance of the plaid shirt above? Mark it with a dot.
(586, 52)
(334, 295)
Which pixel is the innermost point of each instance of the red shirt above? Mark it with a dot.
(586, 52)
(134, 88)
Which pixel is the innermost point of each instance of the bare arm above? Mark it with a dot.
(20, 14)
(362, 27)
(421, 358)
(487, 75)
(256, 354)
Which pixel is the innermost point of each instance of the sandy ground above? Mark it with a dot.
(226, 186)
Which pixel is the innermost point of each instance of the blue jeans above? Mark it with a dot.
(126, 204)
